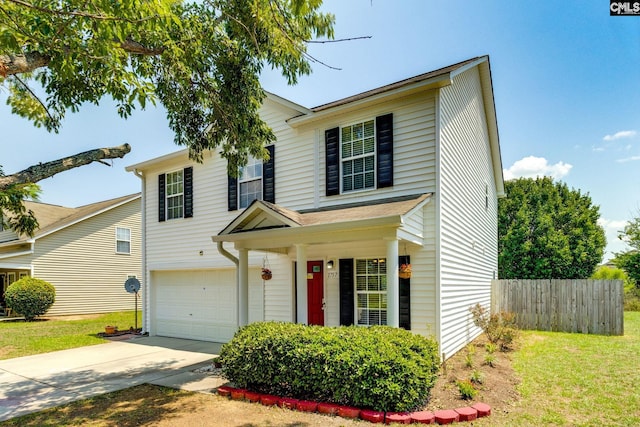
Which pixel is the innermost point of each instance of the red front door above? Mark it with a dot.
(315, 293)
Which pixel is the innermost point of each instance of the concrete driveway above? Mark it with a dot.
(33, 383)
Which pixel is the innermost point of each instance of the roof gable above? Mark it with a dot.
(52, 218)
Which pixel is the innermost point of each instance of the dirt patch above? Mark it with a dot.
(498, 388)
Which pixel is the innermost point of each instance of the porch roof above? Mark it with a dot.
(268, 225)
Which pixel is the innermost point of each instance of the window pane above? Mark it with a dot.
(123, 247)
(368, 129)
(346, 150)
(358, 148)
(346, 134)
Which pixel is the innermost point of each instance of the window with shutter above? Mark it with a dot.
(175, 194)
(256, 181)
(359, 156)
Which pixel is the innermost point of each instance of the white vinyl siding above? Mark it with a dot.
(468, 230)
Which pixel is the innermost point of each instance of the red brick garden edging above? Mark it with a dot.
(444, 416)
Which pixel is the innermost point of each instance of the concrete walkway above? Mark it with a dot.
(33, 383)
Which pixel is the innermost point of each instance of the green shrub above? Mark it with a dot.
(500, 328)
(383, 368)
(477, 377)
(466, 389)
(30, 297)
(631, 298)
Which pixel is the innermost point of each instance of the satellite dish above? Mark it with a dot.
(132, 285)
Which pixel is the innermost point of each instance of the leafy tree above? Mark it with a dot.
(547, 231)
(201, 60)
(629, 260)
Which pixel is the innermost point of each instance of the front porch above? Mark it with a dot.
(351, 253)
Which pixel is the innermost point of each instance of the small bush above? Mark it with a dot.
(30, 297)
(467, 389)
(477, 377)
(490, 347)
(490, 359)
(500, 328)
(383, 368)
(631, 298)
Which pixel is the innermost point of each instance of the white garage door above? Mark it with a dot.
(197, 305)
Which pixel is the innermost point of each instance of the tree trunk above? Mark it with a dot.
(41, 171)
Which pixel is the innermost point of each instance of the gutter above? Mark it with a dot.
(143, 249)
(236, 261)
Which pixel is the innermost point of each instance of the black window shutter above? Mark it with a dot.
(332, 161)
(269, 176)
(161, 197)
(346, 291)
(405, 296)
(188, 192)
(232, 193)
(384, 148)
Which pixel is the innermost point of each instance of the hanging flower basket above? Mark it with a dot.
(266, 274)
(404, 272)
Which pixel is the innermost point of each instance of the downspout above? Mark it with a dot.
(236, 261)
(143, 251)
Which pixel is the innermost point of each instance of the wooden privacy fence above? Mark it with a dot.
(585, 306)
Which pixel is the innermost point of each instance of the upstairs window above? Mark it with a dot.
(175, 194)
(250, 182)
(358, 154)
(123, 240)
(175, 191)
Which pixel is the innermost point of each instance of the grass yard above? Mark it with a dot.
(577, 380)
(19, 338)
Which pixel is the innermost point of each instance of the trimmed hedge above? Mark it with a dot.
(30, 297)
(382, 368)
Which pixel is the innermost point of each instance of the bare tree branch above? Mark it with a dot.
(41, 171)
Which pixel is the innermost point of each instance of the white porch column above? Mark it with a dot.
(301, 280)
(393, 284)
(243, 287)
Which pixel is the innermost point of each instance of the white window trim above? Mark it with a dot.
(167, 196)
(247, 180)
(375, 157)
(121, 240)
(356, 292)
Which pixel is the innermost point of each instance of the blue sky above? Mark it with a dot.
(566, 83)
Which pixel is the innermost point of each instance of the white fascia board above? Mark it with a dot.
(151, 162)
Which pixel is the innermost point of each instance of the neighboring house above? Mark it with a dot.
(87, 253)
(406, 173)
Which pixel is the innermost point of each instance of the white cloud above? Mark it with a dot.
(611, 228)
(628, 159)
(619, 135)
(531, 167)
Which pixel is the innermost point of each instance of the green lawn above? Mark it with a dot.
(577, 380)
(20, 338)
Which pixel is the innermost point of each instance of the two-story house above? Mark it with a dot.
(408, 173)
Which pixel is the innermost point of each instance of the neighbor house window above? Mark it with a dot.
(250, 182)
(358, 154)
(123, 240)
(175, 195)
(371, 291)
